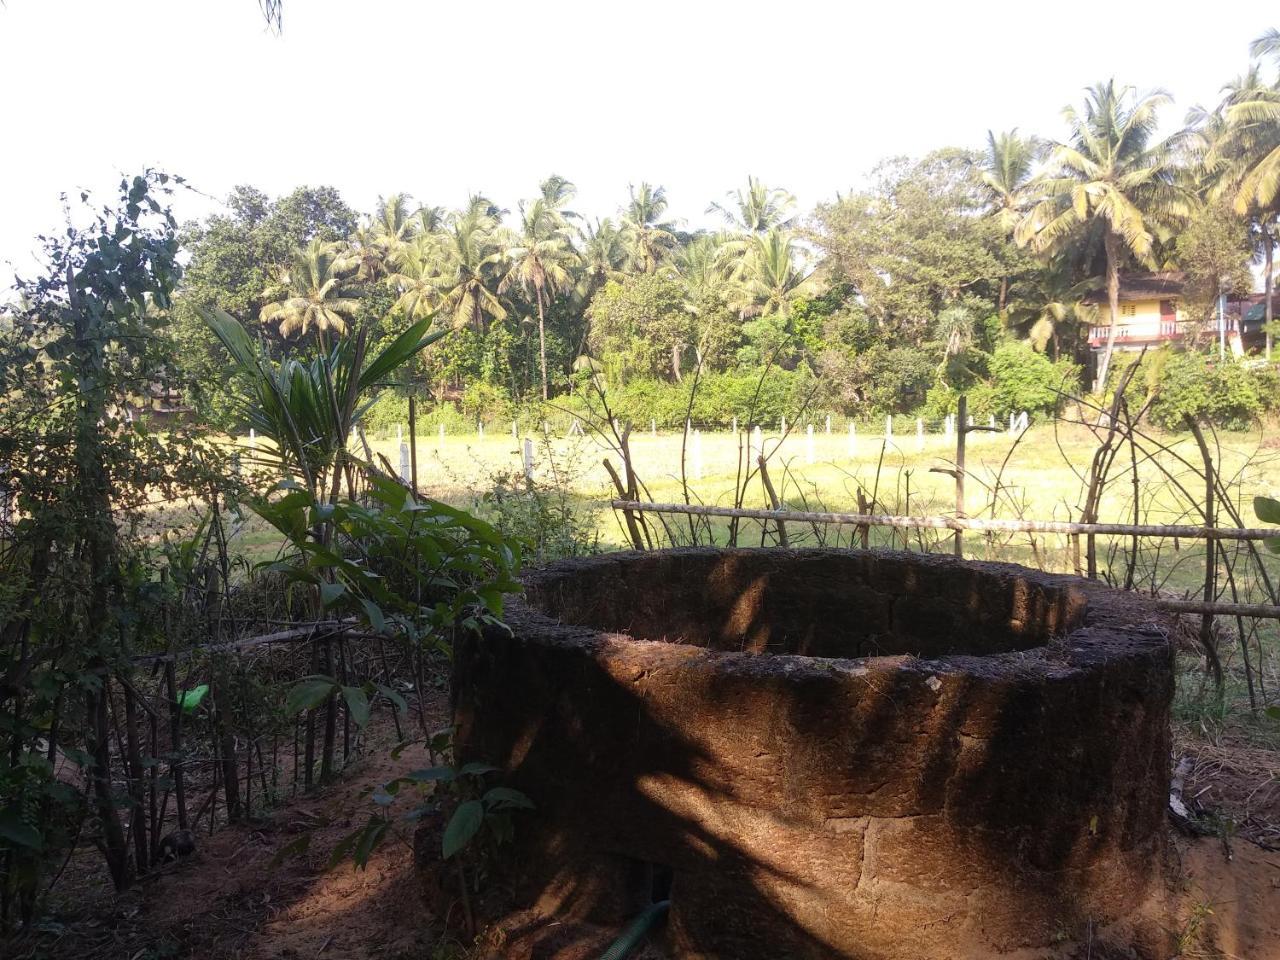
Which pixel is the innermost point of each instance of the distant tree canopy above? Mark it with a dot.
(895, 297)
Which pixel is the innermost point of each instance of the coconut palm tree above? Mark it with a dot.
(649, 238)
(1111, 180)
(1005, 171)
(416, 273)
(769, 273)
(602, 258)
(312, 293)
(429, 220)
(1245, 159)
(757, 209)
(556, 191)
(471, 261)
(538, 262)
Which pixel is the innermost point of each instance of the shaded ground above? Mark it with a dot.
(227, 902)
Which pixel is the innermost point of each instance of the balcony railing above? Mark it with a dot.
(1150, 332)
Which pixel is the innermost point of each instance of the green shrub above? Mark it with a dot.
(1226, 394)
(487, 402)
(1022, 379)
(390, 410)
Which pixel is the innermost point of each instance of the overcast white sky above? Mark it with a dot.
(440, 99)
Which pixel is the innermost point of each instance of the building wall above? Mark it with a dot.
(1139, 322)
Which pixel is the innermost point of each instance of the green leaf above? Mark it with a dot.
(357, 704)
(330, 592)
(397, 701)
(343, 847)
(476, 769)
(294, 848)
(369, 840)
(463, 826)
(308, 694)
(13, 829)
(374, 614)
(1273, 712)
(1266, 509)
(507, 798)
(191, 699)
(429, 774)
(1272, 544)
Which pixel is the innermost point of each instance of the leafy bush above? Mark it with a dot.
(1230, 395)
(390, 410)
(1022, 379)
(752, 397)
(487, 402)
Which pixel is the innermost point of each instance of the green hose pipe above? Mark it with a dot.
(635, 932)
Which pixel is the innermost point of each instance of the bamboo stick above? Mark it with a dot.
(1185, 531)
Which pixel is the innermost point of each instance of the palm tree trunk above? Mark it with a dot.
(1268, 284)
(1002, 308)
(675, 361)
(1113, 298)
(542, 345)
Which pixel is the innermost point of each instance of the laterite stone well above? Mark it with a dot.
(829, 753)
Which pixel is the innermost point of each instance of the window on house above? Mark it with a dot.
(1127, 310)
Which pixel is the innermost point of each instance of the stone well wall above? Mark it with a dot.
(828, 753)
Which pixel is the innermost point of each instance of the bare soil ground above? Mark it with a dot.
(229, 902)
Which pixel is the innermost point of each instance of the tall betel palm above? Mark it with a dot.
(1113, 182)
(311, 294)
(539, 263)
(1246, 159)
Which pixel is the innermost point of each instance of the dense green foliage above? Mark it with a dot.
(974, 272)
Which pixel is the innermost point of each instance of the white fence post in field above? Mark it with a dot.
(853, 439)
(253, 439)
(515, 435)
(406, 474)
(528, 459)
(758, 437)
(919, 434)
(653, 427)
(992, 425)
(828, 424)
(480, 430)
(442, 434)
(399, 435)
(697, 454)
(783, 428)
(1013, 422)
(1023, 420)
(735, 429)
(946, 426)
(888, 427)
(808, 444)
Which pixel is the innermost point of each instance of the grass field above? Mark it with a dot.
(1041, 476)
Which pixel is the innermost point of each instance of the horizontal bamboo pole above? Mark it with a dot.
(321, 629)
(1181, 531)
(1262, 611)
